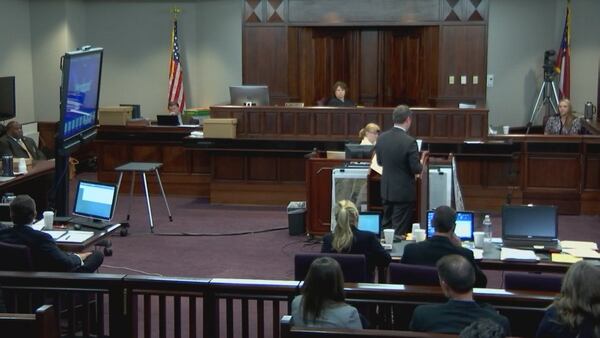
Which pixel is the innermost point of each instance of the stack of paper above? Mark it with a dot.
(580, 249)
(564, 258)
(56, 234)
(517, 254)
(75, 236)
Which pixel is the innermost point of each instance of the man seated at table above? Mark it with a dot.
(457, 277)
(17, 145)
(444, 242)
(45, 254)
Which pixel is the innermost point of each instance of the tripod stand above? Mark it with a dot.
(544, 98)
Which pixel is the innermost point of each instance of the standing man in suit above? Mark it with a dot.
(444, 242)
(17, 145)
(46, 256)
(397, 152)
(457, 277)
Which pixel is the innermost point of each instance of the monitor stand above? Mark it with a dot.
(89, 222)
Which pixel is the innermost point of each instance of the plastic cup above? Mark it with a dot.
(506, 129)
(478, 237)
(419, 142)
(388, 236)
(48, 219)
(419, 235)
(415, 226)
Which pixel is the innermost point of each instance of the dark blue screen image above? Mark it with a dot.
(95, 200)
(82, 92)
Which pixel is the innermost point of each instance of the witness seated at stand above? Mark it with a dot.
(17, 145)
(346, 238)
(322, 303)
(576, 311)
(339, 98)
(565, 123)
(368, 135)
(457, 277)
(444, 242)
(46, 256)
(483, 328)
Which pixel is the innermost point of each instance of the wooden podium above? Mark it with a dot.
(318, 187)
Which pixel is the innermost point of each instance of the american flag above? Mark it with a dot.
(176, 92)
(563, 60)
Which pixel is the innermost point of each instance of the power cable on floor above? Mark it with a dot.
(131, 269)
(218, 234)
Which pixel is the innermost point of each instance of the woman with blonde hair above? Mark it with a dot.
(346, 238)
(565, 123)
(368, 135)
(322, 303)
(576, 311)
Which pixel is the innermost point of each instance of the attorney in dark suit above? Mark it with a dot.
(346, 238)
(398, 154)
(46, 256)
(17, 145)
(444, 242)
(457, 277)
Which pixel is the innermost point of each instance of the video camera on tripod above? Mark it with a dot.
(548, 95)
(549, 62)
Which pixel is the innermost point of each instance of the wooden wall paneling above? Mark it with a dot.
(360, 12)
(291, 169)
(476, 10)
(452, 60)
(322, 123)
(452, 10)
(339, 123)
(306, 67)
(592, 173)
(476, 48)
(262, 168)
(423, 125)
(47, 131)
(271, 123)
(242, 122)
(265, 59)
(333, 50)
(553, 172)
(477, 126)
(228, 167)
(254, 123)
(288, 123)
(175, 159)
(200, 161)
(355, 121)
(370, 67)
(305, 124)
(146, 153)
(402, 66)
(294, 71)
(458, 126)
(470, 171)
(253, 11)
(430, 65)
(441, 123)
(113, 155)
(502, 172)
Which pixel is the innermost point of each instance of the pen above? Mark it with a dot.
(67, 237)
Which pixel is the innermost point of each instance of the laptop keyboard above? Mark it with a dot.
(529, 244)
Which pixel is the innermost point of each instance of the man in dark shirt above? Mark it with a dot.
(444, 242)
(457, 277)
(46, 256)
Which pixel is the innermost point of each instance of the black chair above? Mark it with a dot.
(42, 324)
(353, 266)
(413, 274)
(532, 281)
(15, 257)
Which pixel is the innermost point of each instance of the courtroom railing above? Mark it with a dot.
(143, 306)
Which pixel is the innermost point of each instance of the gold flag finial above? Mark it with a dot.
(175, 11)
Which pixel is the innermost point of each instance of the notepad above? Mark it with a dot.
(578, 245)
(517, 254)
(564, 258)
(583, 253)
(56, 234)
(76, 236)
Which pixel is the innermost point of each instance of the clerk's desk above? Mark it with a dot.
(37, 182)
(491, 260)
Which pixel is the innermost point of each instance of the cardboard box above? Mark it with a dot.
(114, 116)
(220, 128)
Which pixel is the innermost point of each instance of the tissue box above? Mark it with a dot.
(220, 128)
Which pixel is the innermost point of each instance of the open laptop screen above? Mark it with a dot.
(529, 222)
(95, 200)
(465, 225)
(370, 221)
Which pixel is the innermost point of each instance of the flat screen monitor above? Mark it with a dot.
(79, 92)
(465, 225)
(95, 200)
(7, 98)
(370, 221)
(249, 95)
(136, 112)
(358, 151)
(529, 222)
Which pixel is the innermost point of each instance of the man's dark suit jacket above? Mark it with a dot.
(8, 146)
(398, 154)
(363, 243)
(430, 251)
(46, 256)
(453, 316)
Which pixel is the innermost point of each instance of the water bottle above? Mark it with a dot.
(487, 229)
(22, 166)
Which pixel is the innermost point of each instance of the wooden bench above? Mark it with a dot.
(42, 324)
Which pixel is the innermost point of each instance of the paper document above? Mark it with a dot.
(564, 258)
(76, 236)
(578, 245)
(56, 234)
(39, 225)
(517, 254)
(583, 253)
(375, 166)
(477, 253)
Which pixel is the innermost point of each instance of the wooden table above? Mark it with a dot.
(98, 236)
(36, 183)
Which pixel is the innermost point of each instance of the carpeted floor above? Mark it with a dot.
(237, 241)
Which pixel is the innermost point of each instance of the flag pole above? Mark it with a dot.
(175, 11)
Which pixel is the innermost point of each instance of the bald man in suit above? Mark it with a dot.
(17, 145)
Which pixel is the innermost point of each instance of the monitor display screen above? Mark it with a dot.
(7, 98)
(535, 221)
(465, 225)
(370, 221)
(95, 200)
(249, 95)
(80, 91)
(358, 151)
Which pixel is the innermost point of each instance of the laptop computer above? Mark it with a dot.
(167, 120)
(526, 226)
(465, 225)
(370, 221)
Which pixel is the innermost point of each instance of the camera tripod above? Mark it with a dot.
(544, 98)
